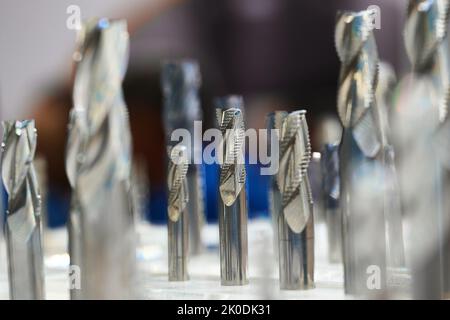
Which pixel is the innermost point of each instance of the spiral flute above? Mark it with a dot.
(23, 217)
(178, 217)
(295, 219)
(101, 230)
(181, 81)
(363, 229)
(232, 203)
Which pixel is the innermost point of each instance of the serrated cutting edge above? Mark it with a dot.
(292, 178)
(425, 29)
(356, 48)
(177, 184)
(232, 170)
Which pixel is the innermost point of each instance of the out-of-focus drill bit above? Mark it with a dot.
(422, 106)
(181, 81)
(331, 194)
(392, 200)
(98, 165)
(295, 219)
(363, 228)
(178, 217)
(23, 222)
(140, 189)
(232, 203)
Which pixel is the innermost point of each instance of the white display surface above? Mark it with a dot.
(204, 269)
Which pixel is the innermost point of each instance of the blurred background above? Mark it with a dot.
(279, 54)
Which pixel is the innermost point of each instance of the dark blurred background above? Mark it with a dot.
(279, 54)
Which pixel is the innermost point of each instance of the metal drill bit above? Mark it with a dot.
(392, 200)
(331, 194)
(178, 217)
(232, 203)
(422, 107)
(363, 229)
(98, 165)
(295, 220)
(23, 221)
(181, 81)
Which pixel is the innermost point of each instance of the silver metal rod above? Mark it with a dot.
(363, 222)
(181, 81)
(233, 242)
(421, 112)
(273, 124)
(295, 217)
(23, 227)
(178, 248)
(195, 209)
(296, 256)
(98, 165)
(232, 202)
(178, 217)
(395, 245)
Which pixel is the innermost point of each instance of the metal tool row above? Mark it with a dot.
(389, 169)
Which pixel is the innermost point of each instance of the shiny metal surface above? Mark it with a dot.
(392, 199)
(181, 81)
(420, 113)
(23, 227)
(363, 222)
(274, 121)
(232, 203)
(98, 165)
(295, 214)
(178, 220)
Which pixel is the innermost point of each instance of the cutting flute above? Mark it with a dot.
(232, 200)
(181, 81)
(361, 198)
(23, 220)
(295, 218)
(178, 217)
(98, 165)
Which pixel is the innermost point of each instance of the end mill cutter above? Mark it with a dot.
(98, 165)
(232, 202)
(23, 227)
(295, 218)
(181, 81)
(363, 230)
(178, 217)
